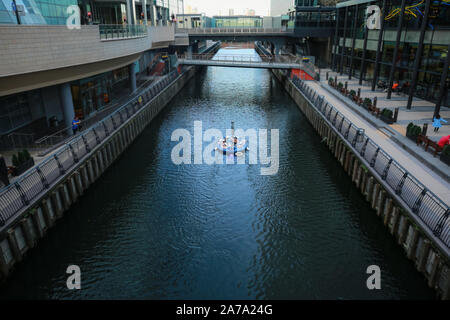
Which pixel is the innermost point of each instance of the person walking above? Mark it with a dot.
(75, 125)
(437, 123)
(445, 140)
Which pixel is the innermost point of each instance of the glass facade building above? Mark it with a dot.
(355, 49)
(237, 21)
(312, 13)
(38, 12)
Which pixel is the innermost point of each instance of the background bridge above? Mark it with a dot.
(248, 61)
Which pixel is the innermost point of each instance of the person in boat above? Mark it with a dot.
(224, 143)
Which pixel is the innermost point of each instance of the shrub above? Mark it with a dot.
(387, 113)
(340, 85)
(352, 93)
(417, 131)
(20, 158)
(15, 160)
(330, 81)
(410, 125)
(446, 150)
(367, 102)
(26, 155)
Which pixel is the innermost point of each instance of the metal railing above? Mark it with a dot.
(118, 31)
(32, 183)
(235, 30)
(307, 67)
(424, 204)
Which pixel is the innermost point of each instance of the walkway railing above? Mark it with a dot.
(19, 195)
(243, 31)
(428, 207)
(118, 31)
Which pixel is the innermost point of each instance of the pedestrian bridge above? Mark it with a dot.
(248, 61)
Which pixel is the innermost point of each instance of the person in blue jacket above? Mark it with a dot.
(437, 123)
(75, 125)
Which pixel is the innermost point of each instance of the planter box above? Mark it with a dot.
(386, 119)
(24, 167)
(367, 107)
(412, 138)
(445, 158)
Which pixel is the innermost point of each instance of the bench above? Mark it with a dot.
(428, 143)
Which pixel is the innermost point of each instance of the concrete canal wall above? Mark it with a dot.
(428, 257)
(23, 232)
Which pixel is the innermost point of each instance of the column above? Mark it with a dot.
(341, 67)
(363, 59)
(131, 12)
(443, 88)
(355, 17)
(131, 69)
(144, 8)
(67, 106)
(418, 57)
(397, 43)
(380, 41)
(336, 42)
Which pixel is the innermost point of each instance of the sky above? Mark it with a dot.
(217, 7)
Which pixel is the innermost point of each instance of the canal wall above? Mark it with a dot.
(420, 245)
(25, 229)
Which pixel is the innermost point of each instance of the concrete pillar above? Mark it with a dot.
(423, 256)
(39, 222)
(388, 208)
(131, 12)
(131, 70)
(67, 106)
(29, 231)
(144, 8)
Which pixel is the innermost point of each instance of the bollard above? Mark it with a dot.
(327, 75)
(396, 114)
(359, 92)
(3, 171)
(346, 84)
(375, 101)
(335, 81)
(424, 129)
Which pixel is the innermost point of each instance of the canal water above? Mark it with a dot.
(150, 229)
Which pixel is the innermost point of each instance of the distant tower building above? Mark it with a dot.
(280, 7)
(231, 12)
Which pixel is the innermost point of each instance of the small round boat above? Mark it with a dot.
(227, 145)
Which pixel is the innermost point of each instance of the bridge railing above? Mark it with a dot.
(424, 204)
(245, 58)
(19, 195)
(235, 30)
(118, 31)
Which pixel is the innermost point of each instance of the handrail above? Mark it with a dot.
(36, 180)
(118, 31)
(427, 206)
(240, 30)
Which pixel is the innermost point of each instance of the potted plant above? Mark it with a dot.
(330, 82)
(445, 155)
(413, 131)
(352, 95)
(22, 162)
(387, 116)
(367, 103)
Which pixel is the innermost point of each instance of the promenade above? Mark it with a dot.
(389, 137)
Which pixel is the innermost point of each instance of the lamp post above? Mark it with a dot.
(14, 7)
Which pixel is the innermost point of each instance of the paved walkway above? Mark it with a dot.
(421, 112)
(383, 136)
